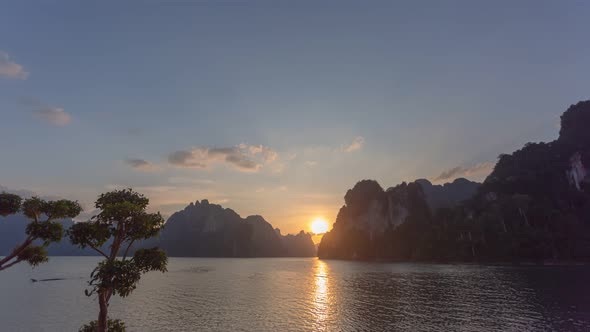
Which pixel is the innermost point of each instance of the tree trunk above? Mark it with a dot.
(102, 315)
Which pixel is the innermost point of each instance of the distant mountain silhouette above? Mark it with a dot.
(12, 233)
(448, 194)
(204, 229)
(200, 230)
(299, 245)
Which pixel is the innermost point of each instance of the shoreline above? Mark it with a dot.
(483, 263)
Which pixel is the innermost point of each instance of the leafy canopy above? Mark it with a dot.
(47, 230)
(124, 220)
(113, 325)
(9, 204)
(122, 217)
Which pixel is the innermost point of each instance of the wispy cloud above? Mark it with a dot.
(272, 190)
(53, 115)
(190, 181)
(243, 158)
(142, 165)
(267, 153)
(357, 144)
(311, 163)
(11, 69)
(480, 169)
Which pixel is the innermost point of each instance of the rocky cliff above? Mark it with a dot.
(205, 229)
(535, 205)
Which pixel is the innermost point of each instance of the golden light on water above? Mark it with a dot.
(321, 297)
(319, 225)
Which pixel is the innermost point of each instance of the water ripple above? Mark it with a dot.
(292, 294)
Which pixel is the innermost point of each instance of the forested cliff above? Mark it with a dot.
(535, 205)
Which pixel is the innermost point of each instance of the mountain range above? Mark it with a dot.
(199, 230)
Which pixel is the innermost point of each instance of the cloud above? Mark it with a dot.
(267, 153)
(243, 158)
(190, 181)
(461, 171)
(357, 144)
(53, 115)
(271, 190)
(310, 163)
(134, 131)
(50, 114)
(11, 69)
(142, 165)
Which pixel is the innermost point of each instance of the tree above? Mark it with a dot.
(47, 230)
(123, 220)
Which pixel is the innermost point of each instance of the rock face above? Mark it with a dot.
(370, 210)
(209, 230)
(448, 194)
(535, 205)
(369, 215)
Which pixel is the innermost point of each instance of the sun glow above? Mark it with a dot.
(319, 226)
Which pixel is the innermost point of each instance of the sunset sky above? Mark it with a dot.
(277, 107)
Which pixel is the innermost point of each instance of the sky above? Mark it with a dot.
(277, 107)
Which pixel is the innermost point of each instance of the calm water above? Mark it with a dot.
(292, 294)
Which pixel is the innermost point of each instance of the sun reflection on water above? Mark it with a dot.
(321, 300)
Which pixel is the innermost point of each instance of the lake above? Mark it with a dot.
(305, 294)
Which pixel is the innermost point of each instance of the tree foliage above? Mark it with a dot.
(9, 204)
(123, 220)
(43, 229)
(113, 325)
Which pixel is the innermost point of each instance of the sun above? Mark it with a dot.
(319, 226)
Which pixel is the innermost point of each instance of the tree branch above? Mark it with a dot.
(17, 250)
(99, 251)
(116, 242)
(11, 264)
(128, 247)
(109, 294)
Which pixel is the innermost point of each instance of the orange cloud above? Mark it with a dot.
(357, 144)
(243, 158)
(11, 69)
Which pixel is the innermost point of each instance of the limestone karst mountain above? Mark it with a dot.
(535, 205)
(203, 229)
(200, 230)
